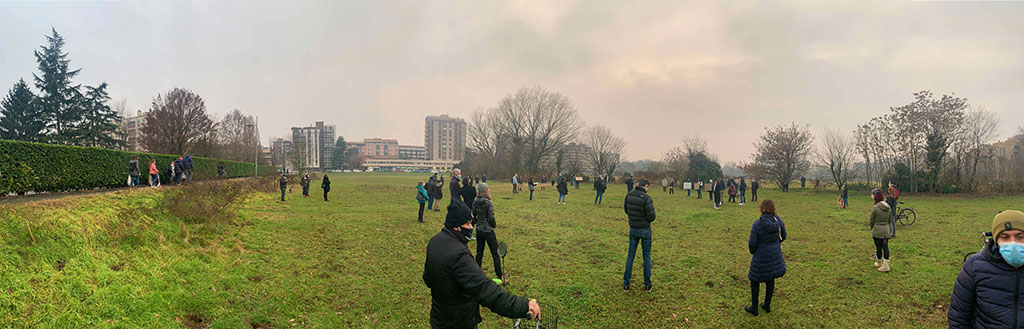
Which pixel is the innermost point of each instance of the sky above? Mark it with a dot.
(652, 71)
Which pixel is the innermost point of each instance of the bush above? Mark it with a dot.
(37, 167)
(210, 202)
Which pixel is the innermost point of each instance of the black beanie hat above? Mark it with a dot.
(458, 214)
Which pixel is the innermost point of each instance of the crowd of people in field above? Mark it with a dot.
(459, 286)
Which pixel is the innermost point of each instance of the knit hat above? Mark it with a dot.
(1007, 220)
(482, 188)
(458, 214)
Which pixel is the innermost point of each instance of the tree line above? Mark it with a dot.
(62, 111)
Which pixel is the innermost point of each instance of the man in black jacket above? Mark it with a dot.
(640, 211)
(743, 191)
(753, 190)
(629, 184)
(455, 189)
(457, 284)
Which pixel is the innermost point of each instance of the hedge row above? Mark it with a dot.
(37, 167)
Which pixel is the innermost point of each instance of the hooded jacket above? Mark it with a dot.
(458, 286)
(987, 292)
(483, 214)
(765, 244)
(880, 220)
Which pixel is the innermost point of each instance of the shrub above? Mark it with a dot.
(209, 202)
(37, 167)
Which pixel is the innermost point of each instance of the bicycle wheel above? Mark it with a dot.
(907, 216)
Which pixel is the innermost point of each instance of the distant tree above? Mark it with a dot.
(353, 159)
(837, 155)
(59, 99)
(980, 128)
(19, 115)
(781, 154)
(178, 124)
(98, 127)
(701, 167)
(676, 161)
(603, 148)
(340, 153)
(236, 133)
(297, 158)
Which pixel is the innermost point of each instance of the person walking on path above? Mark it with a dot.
(639, 210)
(988, 286)
(846, 194)
(664, 184)
(600, 186)
(515, 183)
(421, 198)
(483, 218)
(304, 182)
(154, 174)
(133, 171)
(326, 185)
(743, 191)
(881, 231)
(753, 190)
(468, 192)
(629, 184)
(179, 170)
(563, 189)
(766, 262)
(187, 165)
(457, 284)
(530, 185)
(455, 189)
(283, 181)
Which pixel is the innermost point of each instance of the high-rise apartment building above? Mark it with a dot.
(316, 143)
(444, 138)
(132, 129)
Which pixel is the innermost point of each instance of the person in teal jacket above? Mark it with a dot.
(421, 198)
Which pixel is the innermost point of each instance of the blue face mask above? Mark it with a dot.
(1012, 252)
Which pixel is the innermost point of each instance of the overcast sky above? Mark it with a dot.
(652, 71)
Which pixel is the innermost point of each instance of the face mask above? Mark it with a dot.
(1012, 252)
(467, 232)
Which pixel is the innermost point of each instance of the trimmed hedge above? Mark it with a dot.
(38, 167)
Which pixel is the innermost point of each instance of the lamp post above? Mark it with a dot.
(256, 160)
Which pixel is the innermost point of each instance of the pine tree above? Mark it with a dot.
(340, 154)
(59, 100)
(99, 122)
(19, 115)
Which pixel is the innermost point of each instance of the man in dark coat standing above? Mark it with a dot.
(600, 186)
(454, 189)
(753, 190)
(629, 184)
(640, 210)
(457, 284)
(743, 191)
(283, 181)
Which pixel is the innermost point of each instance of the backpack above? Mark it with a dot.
(419, 196)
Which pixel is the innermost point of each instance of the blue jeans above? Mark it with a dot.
(597, 199)
(698, 194)
(430, 203)
(743, 196)
(135, 181)
(845, 203)
(642, 235)
(561, 197)
(154, 179)
(531, 193)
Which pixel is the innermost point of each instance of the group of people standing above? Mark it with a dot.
(304, 182)
(179, 171)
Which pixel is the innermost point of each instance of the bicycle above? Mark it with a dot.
(985, 237)
(905, 216)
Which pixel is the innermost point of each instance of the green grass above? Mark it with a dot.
(357, 261)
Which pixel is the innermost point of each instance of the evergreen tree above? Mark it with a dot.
(340, 153)
(19, 115)
(59, 100)
(99, 122)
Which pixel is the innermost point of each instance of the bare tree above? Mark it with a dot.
(676, 161)
(695, 145)
(980, 128)
(527, 126)
(604, 148)
(837, 154)
(297, 158)
(237, 136)
(178, 124)
(782, 154)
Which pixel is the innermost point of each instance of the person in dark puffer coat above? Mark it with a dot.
(988, 288)
(766, 264)
(640, 213)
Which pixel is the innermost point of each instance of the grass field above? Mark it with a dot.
(118, 261)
